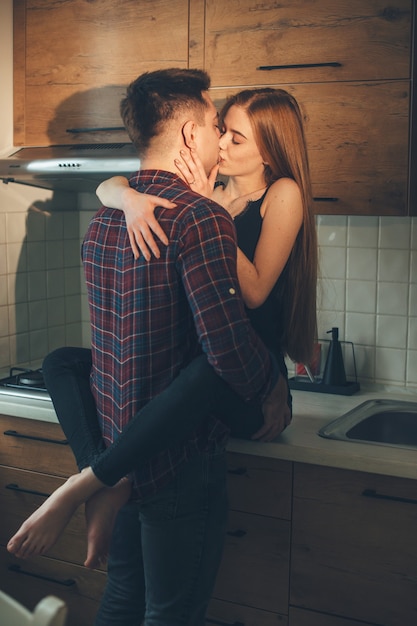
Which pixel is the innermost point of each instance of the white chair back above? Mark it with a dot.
(50, 611)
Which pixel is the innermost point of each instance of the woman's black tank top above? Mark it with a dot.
(266, 318)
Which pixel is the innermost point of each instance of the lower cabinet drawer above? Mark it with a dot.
(34, 445)
(259, 485)
(228, 614)
(21, 493)
(354, 545)
(255, 567)
(30, 581)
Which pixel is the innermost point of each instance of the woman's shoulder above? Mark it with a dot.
(283, 193)
(283, 185)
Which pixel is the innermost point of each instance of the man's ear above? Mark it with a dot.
(189, 131)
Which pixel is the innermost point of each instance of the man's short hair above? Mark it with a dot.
(155, 98)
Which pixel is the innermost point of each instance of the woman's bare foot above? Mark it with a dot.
(100, 512)
(43, 528)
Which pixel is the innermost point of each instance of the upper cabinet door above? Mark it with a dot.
(73, 60)
(250, 42)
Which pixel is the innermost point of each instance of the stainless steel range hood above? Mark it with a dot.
(68, 167)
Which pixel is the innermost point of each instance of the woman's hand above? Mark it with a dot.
(192, 170)
(139, 210)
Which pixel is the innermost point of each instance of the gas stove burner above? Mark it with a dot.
(24, 383)
(24, 379)
(31, 379)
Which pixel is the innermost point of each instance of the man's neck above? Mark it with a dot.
(167, 165)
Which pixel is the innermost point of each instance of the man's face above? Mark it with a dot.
(207, 139)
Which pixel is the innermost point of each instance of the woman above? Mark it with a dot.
(263, 154)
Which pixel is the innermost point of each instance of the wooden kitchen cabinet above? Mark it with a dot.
(34, 460)
(73, 60)
(252, 584)
(349, 64)
(354, 548)
(260, 43)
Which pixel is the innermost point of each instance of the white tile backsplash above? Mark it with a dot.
(412, 333)
(379, 280)
(332, 262)
(391, 331)
(40, 278)
(413, 266)
(361, 296)
(392, 298)
(394, 233)
(394, 265)
(390, 365)
(363, 232)
(411, 376)
(362, 263)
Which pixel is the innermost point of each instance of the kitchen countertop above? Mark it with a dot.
(300, 441)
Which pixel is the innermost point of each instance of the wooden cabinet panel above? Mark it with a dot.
(254, 569)
(228, 614)
(353, 170)
(40, 446)
(78, 57)
(354, 545)
(367, 40)
(259, 485)
(357, 135)
(30, 581)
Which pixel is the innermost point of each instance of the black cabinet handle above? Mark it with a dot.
(237, 533)
(14, 487)
(371, 493)
(326, 199)
(94, 130)
(219, 623)
(14, 433)
(69, 582)
(268, 68)
(238, 471)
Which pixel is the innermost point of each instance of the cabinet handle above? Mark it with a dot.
(326, 199)
(69, 582)
(268, 68)
(94, 130)
(14, 487)
(14, 433)
(371, 493)
(236, 533)
(216, 621)
(238, 471)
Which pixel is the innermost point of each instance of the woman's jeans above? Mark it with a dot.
(166, 550)
(165, 421)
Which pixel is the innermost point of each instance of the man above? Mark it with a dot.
(148, 322)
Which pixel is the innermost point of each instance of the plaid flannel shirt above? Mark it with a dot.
(149, 319)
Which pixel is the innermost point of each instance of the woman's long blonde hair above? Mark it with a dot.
(278, 128)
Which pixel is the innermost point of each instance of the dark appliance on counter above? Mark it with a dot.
(24, 383)
(333, 378)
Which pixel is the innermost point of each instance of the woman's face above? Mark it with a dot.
(239, 154)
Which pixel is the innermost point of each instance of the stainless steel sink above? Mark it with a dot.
(382, 422)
